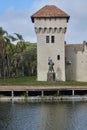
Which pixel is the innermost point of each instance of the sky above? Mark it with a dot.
(15, 17)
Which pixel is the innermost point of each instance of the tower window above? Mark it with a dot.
(58, 57)
(52, 39)
(47, 39)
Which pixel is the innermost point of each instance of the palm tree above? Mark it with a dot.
(20, 50)
(9, 52)
(3, 40)
(5, 45)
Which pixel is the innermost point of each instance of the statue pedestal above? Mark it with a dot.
(50, 76)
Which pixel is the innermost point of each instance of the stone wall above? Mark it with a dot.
(76, 62)
(50, 27)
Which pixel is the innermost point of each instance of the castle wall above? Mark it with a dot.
(50, 27)
(76, 63)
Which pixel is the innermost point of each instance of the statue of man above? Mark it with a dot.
(51, 64)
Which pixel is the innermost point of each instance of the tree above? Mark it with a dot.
(30, 59)
(3, 40)
(20, 50)
(16, 59)
(6, 50)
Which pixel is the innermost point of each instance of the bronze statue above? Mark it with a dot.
(51, 64)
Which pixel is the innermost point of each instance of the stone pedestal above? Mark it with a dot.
(50, 76)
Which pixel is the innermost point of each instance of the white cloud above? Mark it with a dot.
(19, 20)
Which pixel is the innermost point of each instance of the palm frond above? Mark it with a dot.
(19, 36)
(3, 32)
(12, 38)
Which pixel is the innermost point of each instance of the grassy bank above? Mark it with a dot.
(32, 81)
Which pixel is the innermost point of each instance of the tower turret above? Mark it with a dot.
(50, 27)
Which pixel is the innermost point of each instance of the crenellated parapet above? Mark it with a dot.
(85, 43)
(81, 47)
(50, 30)
(76, 48)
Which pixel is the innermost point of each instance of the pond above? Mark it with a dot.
(43, 116)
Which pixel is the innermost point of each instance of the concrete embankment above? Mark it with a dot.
(43, 99)
(18, 93)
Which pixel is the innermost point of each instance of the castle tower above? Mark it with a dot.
(50, 27)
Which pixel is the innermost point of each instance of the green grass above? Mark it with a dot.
(32, 81)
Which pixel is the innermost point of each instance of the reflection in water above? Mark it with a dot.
(43, 116)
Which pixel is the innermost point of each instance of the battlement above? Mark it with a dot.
(77, 47)
(50, 30)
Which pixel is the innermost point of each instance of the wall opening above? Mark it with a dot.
(80, 92)
(47, 39)
(52, 39)
(34, 93)
(65, 92)
(50, 93)
(5, 93)
(19, 93)
(58, 57)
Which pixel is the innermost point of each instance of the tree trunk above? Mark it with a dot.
(8, 65)
(3, 60)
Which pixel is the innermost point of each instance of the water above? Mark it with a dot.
(43, 116)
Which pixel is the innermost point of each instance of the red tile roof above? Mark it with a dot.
(50, 11)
